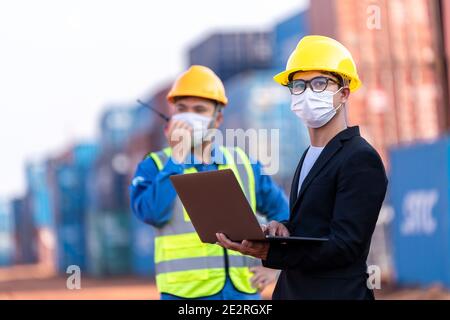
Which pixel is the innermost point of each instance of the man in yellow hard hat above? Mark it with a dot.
(338, 188)
(186, 268)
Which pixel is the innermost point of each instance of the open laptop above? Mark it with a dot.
(216, 203)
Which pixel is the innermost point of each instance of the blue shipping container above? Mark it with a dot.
(143, 118)
(39, 193)
(108, 237)
(142, 248)
(84, 155)
(70, 219)
(6, 235)
(116, 126)
(228, 54)
(72, 200)
(286, 36)
(71, 246)
(419, 190)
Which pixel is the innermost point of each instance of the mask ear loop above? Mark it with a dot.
(345, 109)
(340, 105)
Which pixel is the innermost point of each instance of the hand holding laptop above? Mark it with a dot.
(256, 249)
(275, 228)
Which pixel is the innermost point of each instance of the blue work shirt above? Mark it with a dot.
(152, 193)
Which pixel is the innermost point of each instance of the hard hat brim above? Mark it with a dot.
(171, 97)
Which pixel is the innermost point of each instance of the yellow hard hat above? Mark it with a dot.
(198, 81)
(319, 53)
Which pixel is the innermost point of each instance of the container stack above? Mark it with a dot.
(403, 99)
(6, 235)
(68, 178)
(24, 232)
(108, 221)
(231, 53)
(39, 193)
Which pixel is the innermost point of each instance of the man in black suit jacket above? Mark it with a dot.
(342, 186)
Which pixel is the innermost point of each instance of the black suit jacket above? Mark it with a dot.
(340, 199)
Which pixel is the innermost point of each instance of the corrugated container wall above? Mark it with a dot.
(70, 219)
(40, 195)
(69, 180)
(231, 53)
(394, 44)
(420, 197)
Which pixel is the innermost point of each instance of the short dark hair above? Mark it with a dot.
(339, 77)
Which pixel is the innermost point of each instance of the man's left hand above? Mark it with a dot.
(250, 248)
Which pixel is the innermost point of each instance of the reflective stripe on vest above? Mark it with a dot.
(185, 266)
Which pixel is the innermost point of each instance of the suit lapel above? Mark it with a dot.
(328, 152)
(294, 185)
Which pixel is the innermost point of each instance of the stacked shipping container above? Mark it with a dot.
(68, 177)
(6, 235)
(286, 35)
(403, 97)
(108, 215)
(231, 53)
(39, 193)
(24, 232)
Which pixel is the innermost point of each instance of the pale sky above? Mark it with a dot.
(62, 62)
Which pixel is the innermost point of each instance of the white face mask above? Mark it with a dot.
(315, 108)
(200, 125)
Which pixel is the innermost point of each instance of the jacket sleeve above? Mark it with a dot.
(152, 193)
(360, 193)
(270, 198)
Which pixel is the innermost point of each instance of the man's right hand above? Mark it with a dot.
(275, 228)
(179, 135)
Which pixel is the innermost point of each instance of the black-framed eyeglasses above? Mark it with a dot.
(317, 84)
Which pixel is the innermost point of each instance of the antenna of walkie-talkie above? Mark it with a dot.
(162, 115)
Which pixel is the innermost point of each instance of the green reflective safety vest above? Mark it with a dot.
(185, 266)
